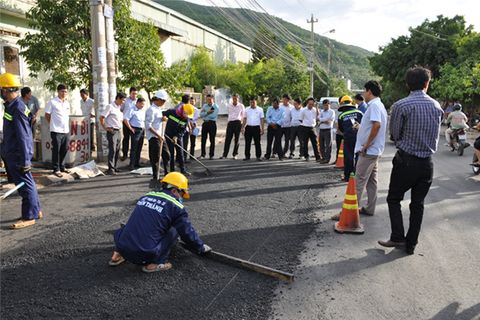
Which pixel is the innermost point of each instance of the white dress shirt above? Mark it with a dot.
(59, 115)
(254, 116)
(87, 108)
(308, 117)
(295, 117)
(113, 116)
(324, 117)
(153, 119)
(287, 117)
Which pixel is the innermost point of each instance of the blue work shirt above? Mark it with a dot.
(155, 213)
(209, 116)
(275, 116)
(346, 119)
(136, 117)
(363, 107)
(17, 134)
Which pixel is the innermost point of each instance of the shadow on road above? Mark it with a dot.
(450, 312)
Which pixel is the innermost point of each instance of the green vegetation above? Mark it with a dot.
(347, 61)
(447, 47)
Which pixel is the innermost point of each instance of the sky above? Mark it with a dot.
(365, 23)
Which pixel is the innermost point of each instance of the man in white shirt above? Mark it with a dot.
(308, 117)
(155, 134)
(287, 120)
(111, 120)
(129, 103)
(295, 130)
(57, 114)
(236, 113)
(370, 145)
(326, 119)
(134, 120)
(252, 128)
(87, 107)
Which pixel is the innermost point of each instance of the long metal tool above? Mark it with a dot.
(9, 192)
(207, 172)
(282, 275)
(162, 136)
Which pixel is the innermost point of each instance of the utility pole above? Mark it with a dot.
(329, 64)
(111, 65)
(99, 74)
(312, 21)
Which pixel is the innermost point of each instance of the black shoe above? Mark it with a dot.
(131, 168)
(211, 158)
(364, 212)
(291, 156)
(186, 173)
(246, 159)
(111, 172)
(391, 244)
(65, 170)
(259, 159)
(410, 249)
(117, 170)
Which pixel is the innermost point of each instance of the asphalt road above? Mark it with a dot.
(274, 213)
(352, 277)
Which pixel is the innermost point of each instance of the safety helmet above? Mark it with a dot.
(346, 101)
(457, 107)
(179, 181)
(189, 110)
(161, 94)
(8, 80)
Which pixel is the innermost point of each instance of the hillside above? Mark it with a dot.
(347, 61)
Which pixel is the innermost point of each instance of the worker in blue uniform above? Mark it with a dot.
(175, 129)
(17, 149)
(349, 121)
(154, 226)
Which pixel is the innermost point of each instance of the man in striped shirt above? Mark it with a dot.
(415, 127)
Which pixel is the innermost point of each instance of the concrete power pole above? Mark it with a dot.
(312, 21)
(99, 74)
(111, 65)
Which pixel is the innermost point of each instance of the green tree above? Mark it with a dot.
(62, 46)
(296, 79)
(202, 70)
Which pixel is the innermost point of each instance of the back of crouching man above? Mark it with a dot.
(152, 230)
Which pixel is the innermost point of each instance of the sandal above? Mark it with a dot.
(116, 260)
(58, 174)
(20, 224)
(159, 267)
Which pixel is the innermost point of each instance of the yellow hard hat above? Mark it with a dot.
(346, 101)
(8, 80)
(189, 110)
(179, 181)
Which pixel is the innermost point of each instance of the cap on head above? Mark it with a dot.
(161, 94)
(9, 80)
(189, 109)
(179, 181)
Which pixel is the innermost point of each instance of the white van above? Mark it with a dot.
(333, 102)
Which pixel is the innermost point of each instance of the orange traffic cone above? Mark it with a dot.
(339, 164)
(349, 217)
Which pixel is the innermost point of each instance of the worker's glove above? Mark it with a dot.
(25, 169)
(206, 249)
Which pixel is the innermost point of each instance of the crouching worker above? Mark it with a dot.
(154, 226)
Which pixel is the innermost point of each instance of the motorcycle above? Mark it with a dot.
(459, 141)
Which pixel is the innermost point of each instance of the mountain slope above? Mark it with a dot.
(347, 61)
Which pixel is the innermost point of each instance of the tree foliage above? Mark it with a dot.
(62, 45)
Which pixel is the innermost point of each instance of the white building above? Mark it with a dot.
(179, 35)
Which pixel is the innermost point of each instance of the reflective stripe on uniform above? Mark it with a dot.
(166, 197)
(171, 117)
(7, 116)
(346, 113)
(27, 111)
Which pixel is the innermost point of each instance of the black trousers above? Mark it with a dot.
(253, 132)
(125, 141)
(325, 143)
(186, 139)
(308, 133)
(136, 146)
(295, 133)
(338, 142)
(172, 148)
(113, 139)
(349, 156)
(408, 173)
(209, 128)
(59, 150)
(274, 136)
(154, 155)
(286, 134)
(233, 129)
(92, 136)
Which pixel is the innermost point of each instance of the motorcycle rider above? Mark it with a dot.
(456, 120)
